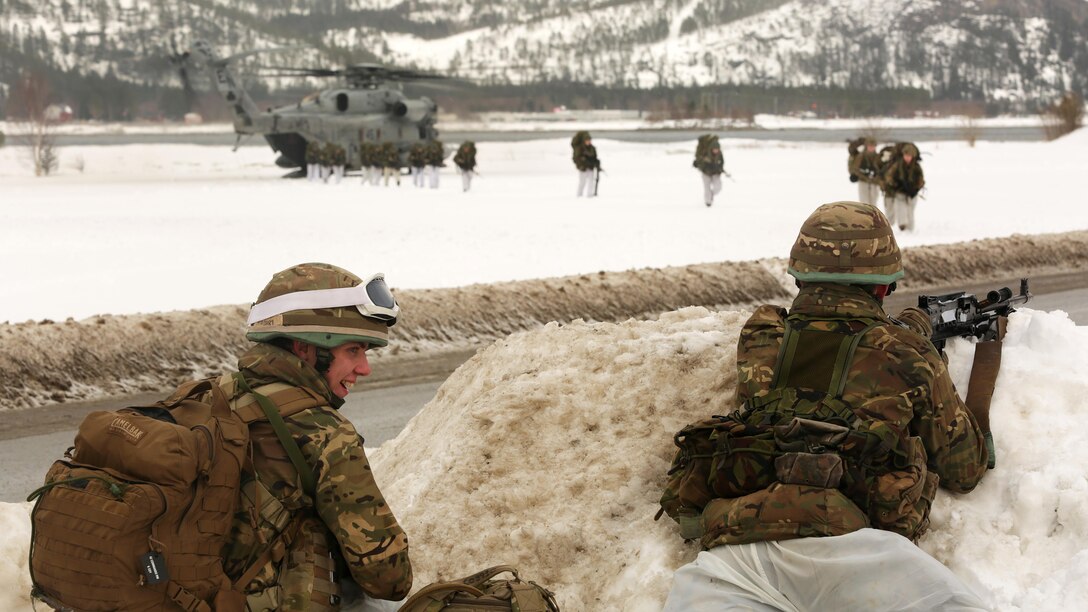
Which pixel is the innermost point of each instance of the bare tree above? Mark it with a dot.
(1064, 116)
(34, 128)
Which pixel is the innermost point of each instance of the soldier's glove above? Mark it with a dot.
(980, 389)
(916, 320)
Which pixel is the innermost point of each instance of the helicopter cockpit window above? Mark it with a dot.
(341, 102)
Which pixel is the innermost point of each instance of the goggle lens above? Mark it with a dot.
(379, 293)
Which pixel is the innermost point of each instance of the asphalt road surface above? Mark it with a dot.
(30, 440)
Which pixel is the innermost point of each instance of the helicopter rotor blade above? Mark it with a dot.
(238, 56)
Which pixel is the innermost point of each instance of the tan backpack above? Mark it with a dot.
(136, 515)
(482, 592)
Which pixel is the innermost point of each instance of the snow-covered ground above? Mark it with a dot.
(162, 227)
(548, 449)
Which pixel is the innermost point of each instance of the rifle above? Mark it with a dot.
(597, 179)
(962, 314)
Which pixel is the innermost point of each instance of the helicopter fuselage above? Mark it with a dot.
(365, 111)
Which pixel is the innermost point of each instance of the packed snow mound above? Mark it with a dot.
(548, 451)
(52, 362)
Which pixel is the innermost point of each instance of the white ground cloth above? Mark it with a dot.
(870, 570)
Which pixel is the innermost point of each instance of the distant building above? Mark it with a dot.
(58, 113)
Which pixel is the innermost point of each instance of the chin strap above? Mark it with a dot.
(324, 360)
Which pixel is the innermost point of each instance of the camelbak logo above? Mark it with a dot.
(123, 427)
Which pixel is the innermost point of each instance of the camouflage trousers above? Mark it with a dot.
(868, 569)
(466, 180)
(868, 192)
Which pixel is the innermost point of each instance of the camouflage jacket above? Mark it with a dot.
(866, 166)
(585, 158)
(896, 377)
(348, 516)
(465, 158)
(710, 163)
(434, 153)
(417, 156)
(901, 177)
(313, 152)
(388, 155)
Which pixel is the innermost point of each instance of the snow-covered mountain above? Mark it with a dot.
(1014, 53)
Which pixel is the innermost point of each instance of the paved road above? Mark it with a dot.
(379, 413)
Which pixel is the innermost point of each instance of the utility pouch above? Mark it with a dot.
(809, 469)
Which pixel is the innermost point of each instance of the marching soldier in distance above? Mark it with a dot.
(417, 159)
(903, 179)
(338, 159)
(865, 169)
(313, 159)
(465, 159)
(587, 163)
(435, 156)
(390, 160)
(709, 162)
(366, 161)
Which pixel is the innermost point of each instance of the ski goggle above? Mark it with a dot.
(372, 299)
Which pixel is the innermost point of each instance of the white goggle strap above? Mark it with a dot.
(319, 298)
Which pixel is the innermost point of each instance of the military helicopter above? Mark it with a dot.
(369, 108)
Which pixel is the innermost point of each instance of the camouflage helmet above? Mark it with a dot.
(325, 306)
(847, 243)
(910, 149)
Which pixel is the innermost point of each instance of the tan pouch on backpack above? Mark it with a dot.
(482, 592)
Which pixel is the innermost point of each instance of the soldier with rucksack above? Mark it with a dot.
(809, 495)
(711, 164)
(243, 492)
(417, 160)
(903, 179)
(389, 158)
(313, 160)
(865, 169)
(587, 163)
(435, 157)
(465, 160)
(366, 162)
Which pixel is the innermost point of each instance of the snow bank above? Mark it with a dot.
(46, 362)
(548, 450)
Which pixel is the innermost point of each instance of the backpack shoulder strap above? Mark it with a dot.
(843, 357)
(432, 597)
(275, 418)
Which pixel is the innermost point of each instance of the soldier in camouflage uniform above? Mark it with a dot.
(389, 157)
(711, 165)
(587, 163)
(435, 157)
(366, 162)
(903, 179)
(417, 160)
(337, 160)
(866, 166)
(313, 325)
(465, 159)
(313, 159)
(805, 546)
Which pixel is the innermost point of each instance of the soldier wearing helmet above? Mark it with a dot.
(865, 165)
(852, 482)
(313, 325)
(903, 180)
